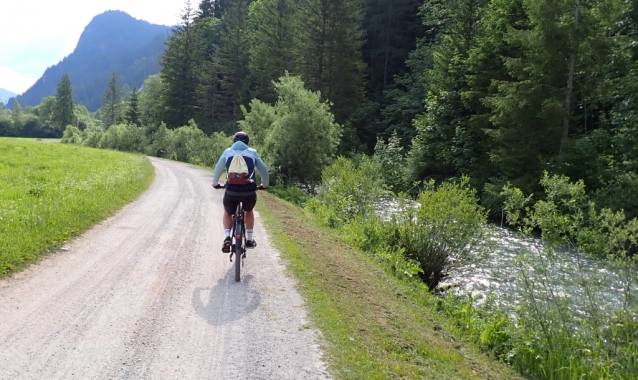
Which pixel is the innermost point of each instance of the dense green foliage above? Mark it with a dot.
(52, 192)
(298, 133)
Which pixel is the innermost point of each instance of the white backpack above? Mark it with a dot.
(238, 171)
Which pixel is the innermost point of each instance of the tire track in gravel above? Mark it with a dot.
(148, 294)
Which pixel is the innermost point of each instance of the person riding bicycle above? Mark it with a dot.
(240, 162)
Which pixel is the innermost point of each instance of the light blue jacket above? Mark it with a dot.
(252, 160)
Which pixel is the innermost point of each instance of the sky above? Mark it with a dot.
(37, 34)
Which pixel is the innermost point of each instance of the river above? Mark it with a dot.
(578, 279)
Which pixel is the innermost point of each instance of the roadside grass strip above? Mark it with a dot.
(52, 192)
(373, 325)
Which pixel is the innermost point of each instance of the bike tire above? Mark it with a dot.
(238, 254)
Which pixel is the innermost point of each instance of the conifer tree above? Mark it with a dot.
(271, 52)
(231, 59)
(206, 9)
(133, 109)
(112, 102)
(180, 71)
(392, 29)
(447, 145)
(329, 43)
(63, 114)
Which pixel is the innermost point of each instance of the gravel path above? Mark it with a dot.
(147, 294)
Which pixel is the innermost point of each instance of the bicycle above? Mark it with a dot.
(238, 235)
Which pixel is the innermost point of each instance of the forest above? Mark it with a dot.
(500, 91)
(452, 112)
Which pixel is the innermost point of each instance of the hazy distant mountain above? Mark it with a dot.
(6, 94)
(112, 40)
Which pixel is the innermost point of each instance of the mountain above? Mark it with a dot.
(5, 95)
(112, 40)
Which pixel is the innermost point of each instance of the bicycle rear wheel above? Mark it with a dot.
(238, 254)
(238, 236)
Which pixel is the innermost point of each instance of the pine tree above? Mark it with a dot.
(180, 71)
(231, 59)
(329, 43)
(112, 102)
(271, 52)
(208, 90)
(133, 109)
(447, 145)
(392, 29)
(63, 114)
(557, 62)
(206, 9)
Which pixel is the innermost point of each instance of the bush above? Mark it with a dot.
(446, 229)
(123, 137)
(392, 162)
(348, 191)
(72, 135)
(619, 194)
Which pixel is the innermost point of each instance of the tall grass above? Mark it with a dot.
(52, 192)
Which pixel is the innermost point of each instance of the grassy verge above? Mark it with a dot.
(374, 326)
(52, 192)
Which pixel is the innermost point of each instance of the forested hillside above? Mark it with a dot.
(499, 90)
(113, 40)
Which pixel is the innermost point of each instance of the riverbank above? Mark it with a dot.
(374, 325)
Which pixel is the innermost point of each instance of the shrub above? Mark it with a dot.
(392, 162)
(72, 135)
(92, 136)
(348, 191)
(304, 137)
(446, 229)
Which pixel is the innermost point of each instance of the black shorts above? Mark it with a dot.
(231, 202)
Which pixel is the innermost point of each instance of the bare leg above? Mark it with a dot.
(227, 220)
(249, 219)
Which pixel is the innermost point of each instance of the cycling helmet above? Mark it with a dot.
(241, 136)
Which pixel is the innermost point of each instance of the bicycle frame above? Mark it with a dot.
(238, 234)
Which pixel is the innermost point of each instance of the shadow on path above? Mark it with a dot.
(227, 301)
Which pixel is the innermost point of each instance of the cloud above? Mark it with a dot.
(39, 33)
(14, 81)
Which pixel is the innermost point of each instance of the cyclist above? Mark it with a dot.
(245, 193)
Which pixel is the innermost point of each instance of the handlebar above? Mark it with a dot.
(218, 187)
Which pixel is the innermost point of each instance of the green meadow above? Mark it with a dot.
(51, 192)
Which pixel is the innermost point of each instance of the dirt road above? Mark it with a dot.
(147, 294)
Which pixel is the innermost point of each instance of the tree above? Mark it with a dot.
(206, 9)
(447, 144)
(112, 102)
(133, 109)
(151, 102)
(392, 29)
(271, 52)
(209, 99)
(16, 115)
(180, 71)
(211, 8)
(558, 62)
(329, 43)
(299, 132)
(63, 114)
(231, 58)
